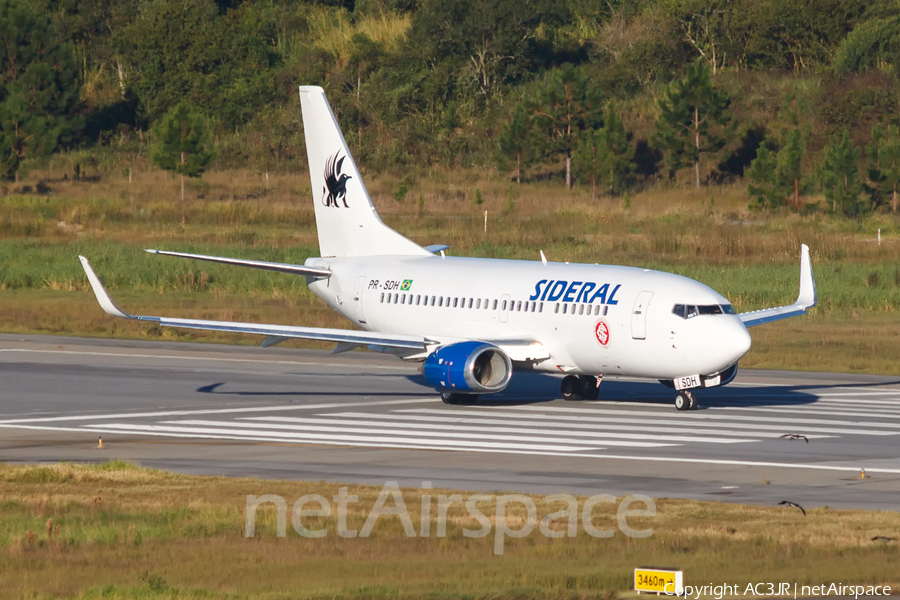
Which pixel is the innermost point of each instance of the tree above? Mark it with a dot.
(567, 103)
(605, 155)
(38, 85)
(485, 45)
(694, 120)
(517, 141)
(788, 168)
(183, 49)
(763, 186)
(884, 163)
(840, 176)
(182, 143)
(872, 44)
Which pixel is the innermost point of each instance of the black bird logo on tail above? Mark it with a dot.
(335, 182)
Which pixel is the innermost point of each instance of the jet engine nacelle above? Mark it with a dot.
(468, 367)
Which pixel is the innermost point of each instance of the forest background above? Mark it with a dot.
(700, 136)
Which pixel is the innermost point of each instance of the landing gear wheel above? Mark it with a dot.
(685, 401)
(456, 398)
(589, 389)
(571, 388)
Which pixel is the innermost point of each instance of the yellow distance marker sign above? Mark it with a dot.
(658, 581)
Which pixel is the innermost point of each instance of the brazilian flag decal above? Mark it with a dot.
(407, 283)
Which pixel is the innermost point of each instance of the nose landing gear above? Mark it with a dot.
(685, 400)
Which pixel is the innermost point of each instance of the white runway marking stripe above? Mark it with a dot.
(571, 427)
(836, 411)
(373, 425)
(579, 453)
(215, 411)
(443, 433)
(695, 416)
(360, 440)
(734, 422)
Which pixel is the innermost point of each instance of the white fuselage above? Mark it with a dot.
(591, 319)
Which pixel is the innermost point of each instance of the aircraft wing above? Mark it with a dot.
(272, 331)
(805, 300)
(255, 264)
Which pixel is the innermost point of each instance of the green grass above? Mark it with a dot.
(119, 531)
(708, 235)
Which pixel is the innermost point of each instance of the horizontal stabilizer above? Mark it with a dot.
(806, 299)
(254, 264)
(273, 331)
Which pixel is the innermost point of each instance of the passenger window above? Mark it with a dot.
(541, 307)
(382, 297)
(478, 303)
(470, 303)
(418, 299)
(432, 300)
(519, 306)
(581, 309)
(557, 308)
(503, 307)
(486, 304)
(605, 310)
(495, 305)
(455, 302)
(396, 298)
(403, 299)
(565, 308)
(596, 310)
(441, 301)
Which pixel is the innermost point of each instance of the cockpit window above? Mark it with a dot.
(688, 311)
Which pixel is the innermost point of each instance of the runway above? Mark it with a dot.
(365, 418)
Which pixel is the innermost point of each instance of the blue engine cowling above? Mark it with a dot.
(468, 367)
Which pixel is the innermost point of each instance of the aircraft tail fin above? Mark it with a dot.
(346, 220)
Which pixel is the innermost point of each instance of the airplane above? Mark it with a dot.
(472, 323)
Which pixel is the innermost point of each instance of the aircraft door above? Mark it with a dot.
(504, 308)
(639, 316)
(358, 297)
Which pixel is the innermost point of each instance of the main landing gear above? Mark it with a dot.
(686, 400)
(456, 398)
(582, 387)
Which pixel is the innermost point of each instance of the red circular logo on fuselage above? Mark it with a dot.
(601, 330)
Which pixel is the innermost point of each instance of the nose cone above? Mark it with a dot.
(734, 341)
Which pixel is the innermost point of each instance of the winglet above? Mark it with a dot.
(808, 296)
(806, 299)
(102, 296)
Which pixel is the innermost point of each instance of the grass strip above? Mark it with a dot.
(115, 530)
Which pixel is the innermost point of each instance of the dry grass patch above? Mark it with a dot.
(118, 531)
